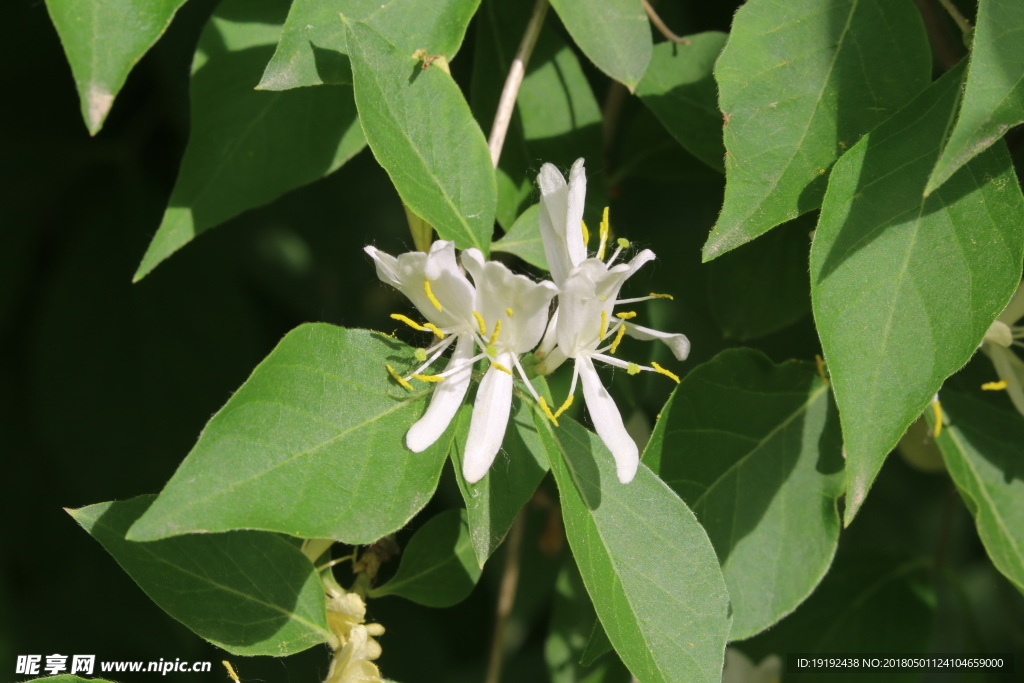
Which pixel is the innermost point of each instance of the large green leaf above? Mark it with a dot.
(494, 501)
(614, 34)
(800, 82)
(556, 119)
(904, 288)
(993, 99)
(755, 450)
(680, 89)
(438, 566)
(763, 286)
(246, 148)
(103, 40)
(312, 445)
(646, 562)
(984, 452)
(219, 585)
(421, 131)
(313, 51)
(523, 239)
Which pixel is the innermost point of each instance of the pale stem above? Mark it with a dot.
(660, 25)
(507, 103)
(960, 19)
(506, 596)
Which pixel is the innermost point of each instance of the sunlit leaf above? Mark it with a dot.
(614, 34)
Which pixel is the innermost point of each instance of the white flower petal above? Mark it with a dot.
(387, 266)
(608, 421)
(579, 313)
(1014, 310)
(560, 217)
(675, 341)
(1011, 368)
(446, 400)
(490, 419)
(999, 333)
(551, 361)
(574, 213)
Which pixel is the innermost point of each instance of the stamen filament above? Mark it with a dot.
(398, 378)
(480, 322)
(995, 386)
(436, 350)
(618, 338)
(430, 295)
(522, 373)
(662, 371)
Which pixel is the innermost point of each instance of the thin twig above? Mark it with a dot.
(509, 93)
(660, 25)
(960, 19)
(506, 596)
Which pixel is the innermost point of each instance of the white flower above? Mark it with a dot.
(1002, 334)
(739, 668)
(355, 647)
(585, 319)
(504, 314)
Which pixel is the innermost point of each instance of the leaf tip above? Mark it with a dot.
(96, 103)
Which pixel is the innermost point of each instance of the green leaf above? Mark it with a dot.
(312, 445)
(680, 89)
(438, 568)
(800, 82)
(523, 239)
(984, 452)
(494, 501)
(763, 287)
(598, 644)
(556, 119)
(103, 40)
(313, 51)
(904, 288)
(867, 603)
(249, 592)
(246, 148)
(755, 450)
(421, 131)
(614, 34)
(993, 100)
(647, 564)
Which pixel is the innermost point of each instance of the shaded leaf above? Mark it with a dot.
(421, 131)
(246, 148)
(523, 239)
(680, 89)
(614, 34)
(312, 445)
(800, 82)
(903, 288)
(249, 592)
(984, 452)
(556, 119)
(993, 100)
(313, 51)
(762, 287)
(103, 40)
(755, 449)
(438, 567)
(647, 564)
(598, 644)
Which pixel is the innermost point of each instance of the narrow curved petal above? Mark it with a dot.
(1011, 368)
(490, 419)
(1014, 310)
(675, 341)
(561, 216)
(446, 400)
(574, 213)
(551, 361)
(387, 266)
(608, 421)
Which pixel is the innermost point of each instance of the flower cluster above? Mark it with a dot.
(1008, 331)
(496, 315)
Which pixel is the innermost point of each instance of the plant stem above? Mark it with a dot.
(661, 26)
(506, 594)
(960, 19)
(507, 103)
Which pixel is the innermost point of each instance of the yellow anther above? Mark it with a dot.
(995, 386)
(565, 406)
(618, 338)
(662, 371)
(604, 325)
(623, 243)
(430, 295)
(398, 378)
(501, 367)
(434, 328)
(633, 369)
(494, 335)
(626, 315)
(547, 411)
(231, 671)
(586, 233)
(408, 321)
(480, 322)
(508, 312)
(937, 410)
(604, 230)
(420, 355)
(429, 378)
(661, 296)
